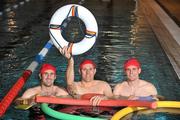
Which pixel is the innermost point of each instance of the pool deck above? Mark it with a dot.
(165, 28)
(172, 8)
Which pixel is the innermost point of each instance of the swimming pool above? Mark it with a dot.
(123, 33)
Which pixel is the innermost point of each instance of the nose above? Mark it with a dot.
(131, 71)
(48, 75)
(87, 71)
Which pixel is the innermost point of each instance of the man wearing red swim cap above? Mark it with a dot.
(47, 88)
(87, 70)
(134, 88)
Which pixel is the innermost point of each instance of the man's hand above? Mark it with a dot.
(25, 101)
(66, 52)
(95, 100)
(132, 97)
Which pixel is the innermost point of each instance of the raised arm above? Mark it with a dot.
(70, 72)
(65, 51)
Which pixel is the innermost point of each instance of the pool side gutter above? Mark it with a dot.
(166, 30)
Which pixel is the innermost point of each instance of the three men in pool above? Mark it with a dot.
(133, 88)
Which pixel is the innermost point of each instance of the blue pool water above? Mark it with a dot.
(158, 114)
(123, 33)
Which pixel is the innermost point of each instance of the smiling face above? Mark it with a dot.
(48, 78)
(87, 72)
(132, 72)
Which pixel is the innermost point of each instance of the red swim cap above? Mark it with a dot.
(131, 61)
(87, 61)
(47, 66)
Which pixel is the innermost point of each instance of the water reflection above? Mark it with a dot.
(114, 39)
(11, 22)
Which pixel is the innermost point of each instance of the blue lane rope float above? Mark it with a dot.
(41, 56)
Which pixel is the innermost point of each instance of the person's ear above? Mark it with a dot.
(80, 71)
(139, 70)
(95, 71)
(55, 76)
(39, 76)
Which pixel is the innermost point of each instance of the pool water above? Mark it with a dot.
(154, 116)
(123, 33)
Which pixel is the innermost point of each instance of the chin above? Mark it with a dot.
(131, 79)
(88, 80)
(48, 85)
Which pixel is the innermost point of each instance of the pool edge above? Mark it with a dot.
(166, 30)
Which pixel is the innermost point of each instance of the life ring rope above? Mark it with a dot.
(55, 40)
(53, 26)
(90, 34)
(74, 12)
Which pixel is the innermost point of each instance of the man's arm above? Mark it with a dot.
(108, 91)
(29, 93)
(70, 72)
(65, 51)
(117, 92)
(27, 98)
(153, 90)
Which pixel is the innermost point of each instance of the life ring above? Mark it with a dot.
(86, 16)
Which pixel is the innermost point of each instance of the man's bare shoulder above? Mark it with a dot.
(148, 87)
(59, 88)
(31, 92)
(35, 88)
(60, 91)
(146, 83)
(100, 82)
(123, 83)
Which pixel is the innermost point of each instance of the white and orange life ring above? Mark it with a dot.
(86, 16)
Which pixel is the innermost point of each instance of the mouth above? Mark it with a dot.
(131, 75)
(48, 80)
